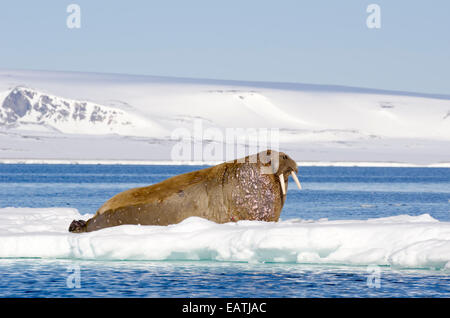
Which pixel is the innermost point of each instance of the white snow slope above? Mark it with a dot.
(399, 241)
(88, 117)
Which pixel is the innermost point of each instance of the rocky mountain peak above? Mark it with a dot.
(24, 106)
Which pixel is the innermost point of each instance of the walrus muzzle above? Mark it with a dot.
(250, 188)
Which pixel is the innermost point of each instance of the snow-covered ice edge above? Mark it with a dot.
(400, 241)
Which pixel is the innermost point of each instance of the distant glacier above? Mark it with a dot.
(91, 117)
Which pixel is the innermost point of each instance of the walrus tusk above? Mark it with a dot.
(283, 187)
(294, 176)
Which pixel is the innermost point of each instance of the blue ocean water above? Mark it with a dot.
(329, 192)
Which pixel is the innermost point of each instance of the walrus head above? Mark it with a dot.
(281, 165)
(255, 187)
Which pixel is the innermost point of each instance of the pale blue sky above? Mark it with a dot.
(316, 41)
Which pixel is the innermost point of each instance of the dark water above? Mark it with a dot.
(49, 278)
(329, 192)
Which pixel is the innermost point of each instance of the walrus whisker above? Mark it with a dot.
(294, 176)
(283, 187)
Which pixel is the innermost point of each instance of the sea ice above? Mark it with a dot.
(399, 241)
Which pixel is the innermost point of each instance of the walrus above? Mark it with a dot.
(250, 188)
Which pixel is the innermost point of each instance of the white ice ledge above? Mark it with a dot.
(401, 241)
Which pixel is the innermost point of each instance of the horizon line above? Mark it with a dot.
(252, 83)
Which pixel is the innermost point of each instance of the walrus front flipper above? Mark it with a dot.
(77, 226)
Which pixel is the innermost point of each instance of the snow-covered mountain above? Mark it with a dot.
(28, 109)
(99, 117)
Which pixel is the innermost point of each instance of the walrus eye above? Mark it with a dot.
(284, 157)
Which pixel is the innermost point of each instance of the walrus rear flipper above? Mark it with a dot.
(77, 226)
